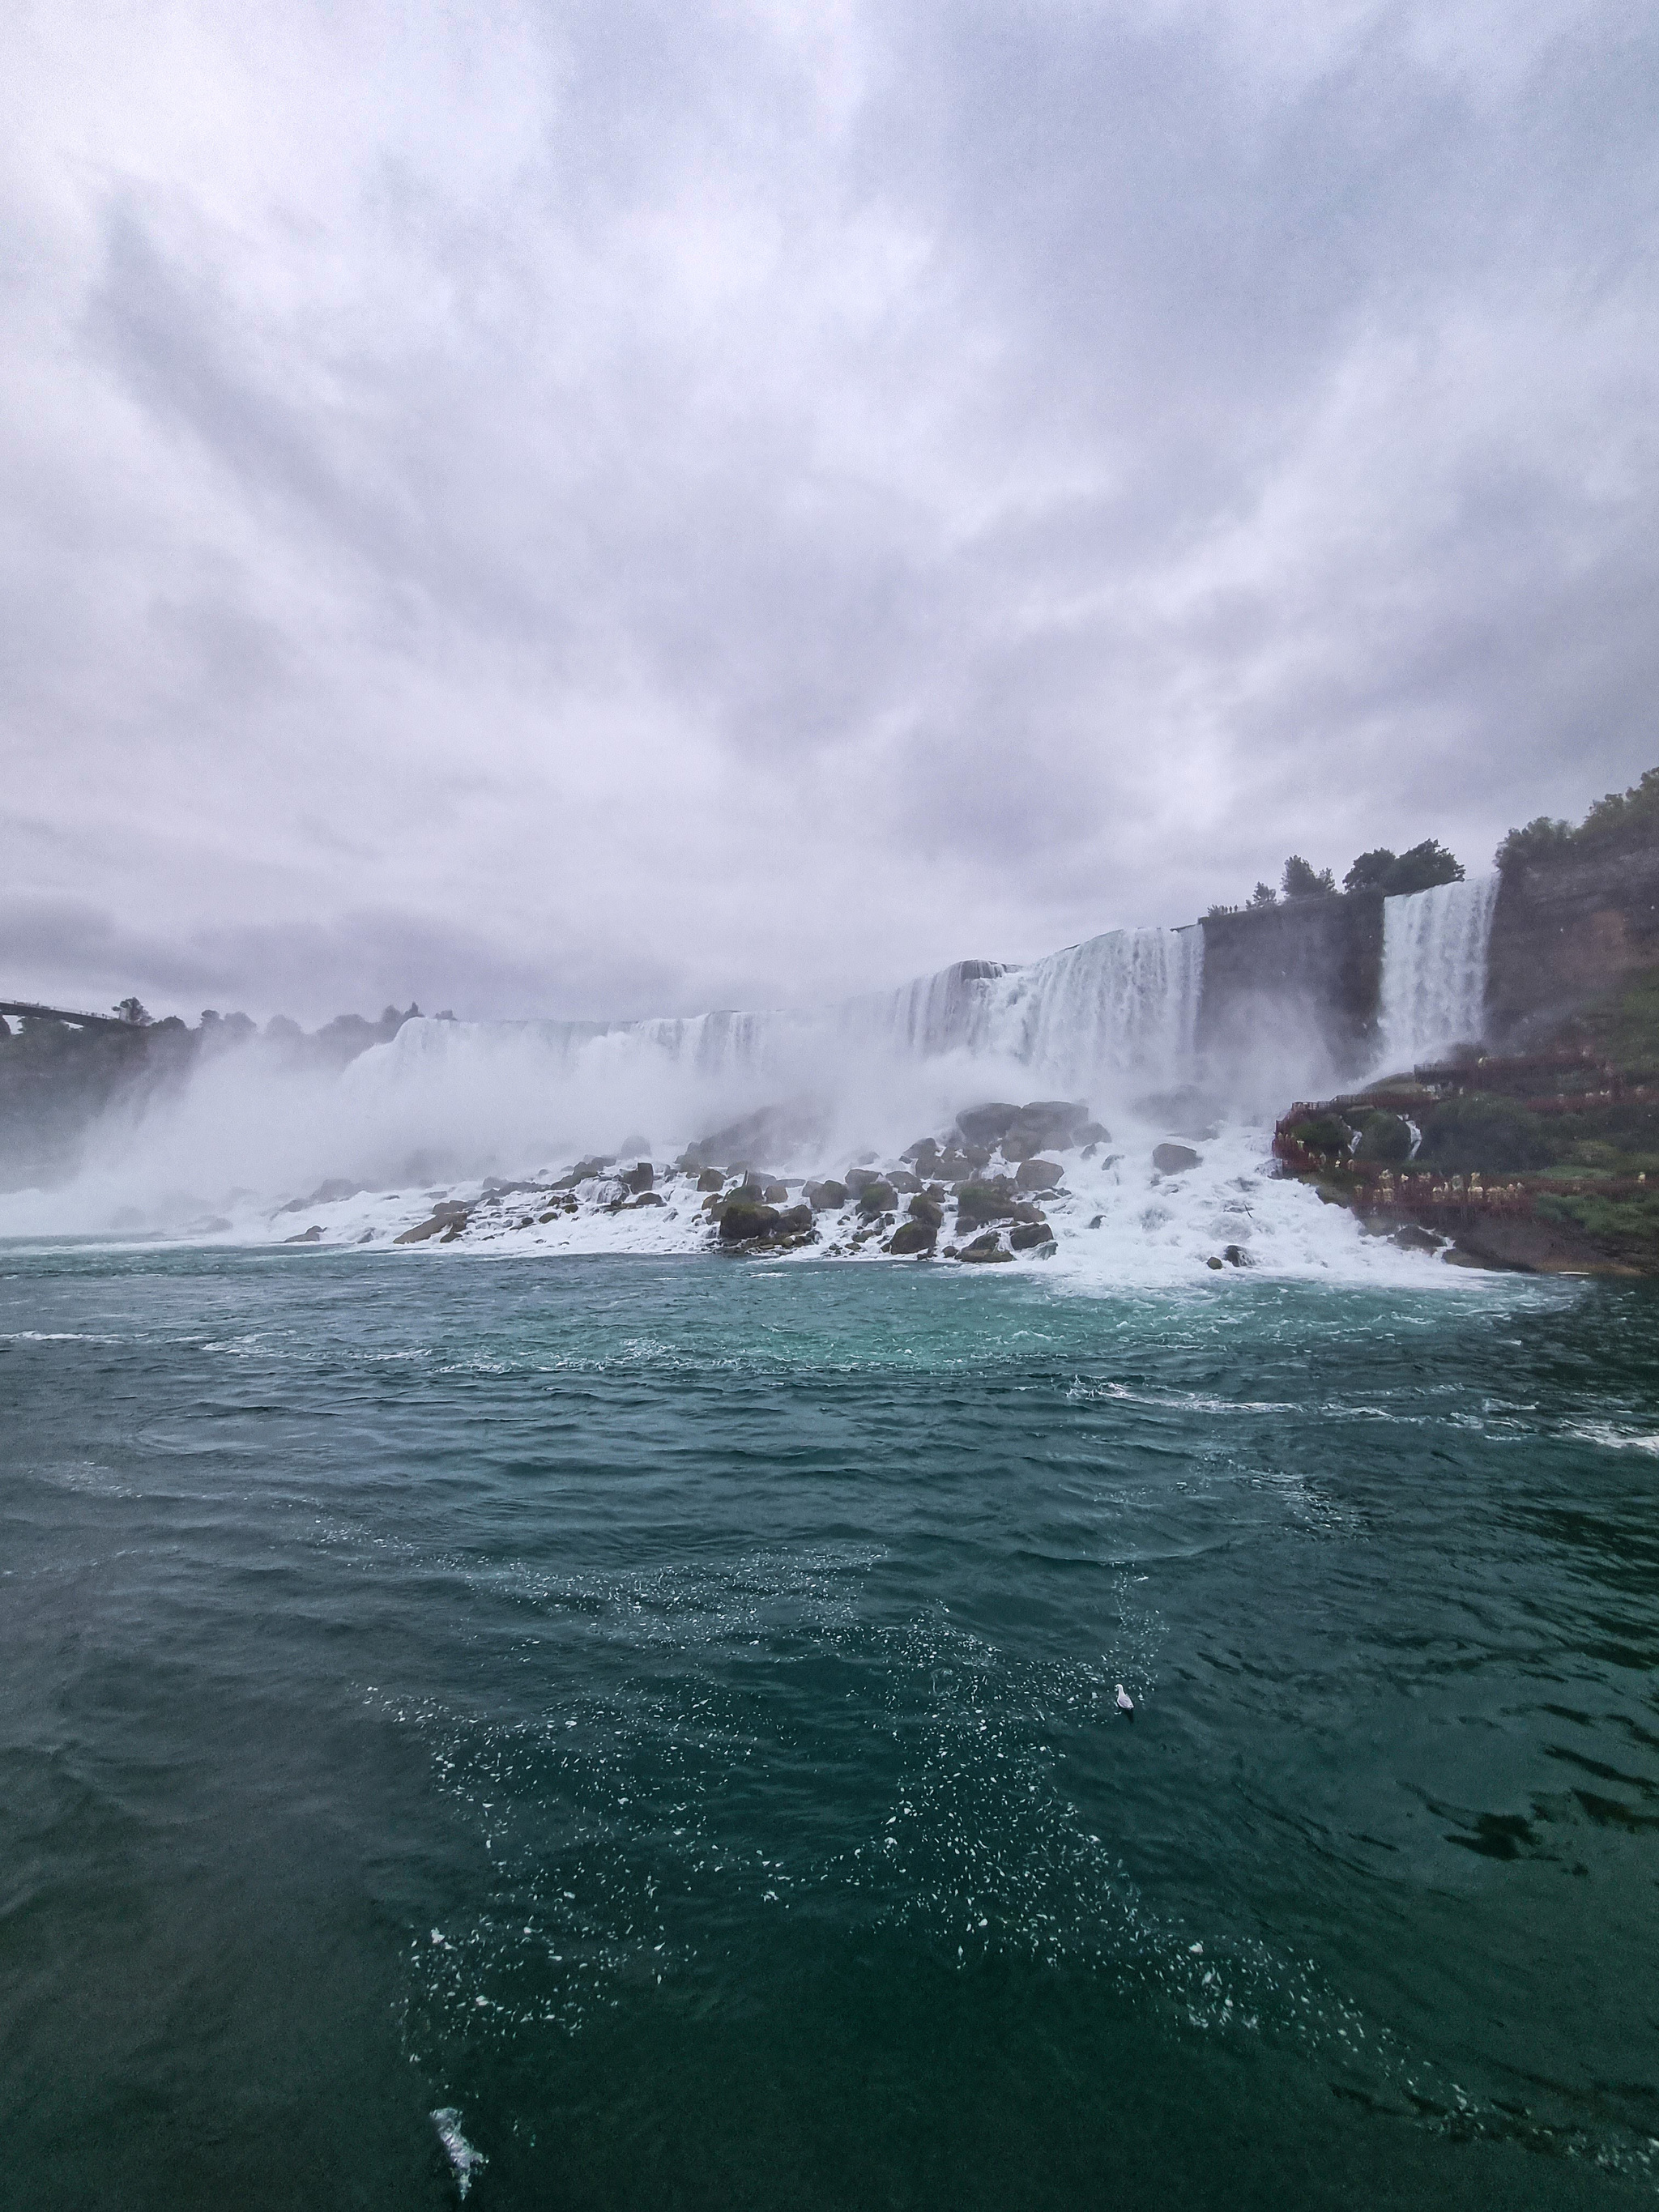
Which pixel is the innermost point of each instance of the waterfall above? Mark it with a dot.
(1124, 1005)
(1434, 969)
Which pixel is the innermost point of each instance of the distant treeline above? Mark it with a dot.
(1621, 816)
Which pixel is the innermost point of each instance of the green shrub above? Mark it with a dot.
(1385, 1139)
(1493, 1134)
(1323, 1133)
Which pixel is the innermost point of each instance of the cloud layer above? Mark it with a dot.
(618, 509)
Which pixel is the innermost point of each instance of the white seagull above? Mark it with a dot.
(1125, 1704)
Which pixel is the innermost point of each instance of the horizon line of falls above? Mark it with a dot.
(1118, 1009)
(1435, 947)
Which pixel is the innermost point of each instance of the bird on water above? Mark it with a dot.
(1125, 1704)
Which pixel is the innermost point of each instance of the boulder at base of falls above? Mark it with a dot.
(1173, 1159)
(989, 1247)
(979, 1202)
(711, 1179)
(1038, 1175)
(827, 1197)
(743, 1217)
(641, 1176)
(1030, 1236)
(986, 1125)
(313, 1236)
(911, 1237)
(450, 1214)
(876, 1197)
(1044, 1121)
(776, 1193)
(926, 1210)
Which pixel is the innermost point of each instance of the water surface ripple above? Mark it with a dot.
(638, 1732)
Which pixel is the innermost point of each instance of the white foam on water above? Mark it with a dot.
(463, 2158)
(1614, 1439)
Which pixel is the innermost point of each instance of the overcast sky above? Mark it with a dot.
(619, 508)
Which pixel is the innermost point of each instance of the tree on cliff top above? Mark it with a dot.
(1418, 869)
(1302, 881)
(1263, 894)
(1370, 870)
(1635, 811)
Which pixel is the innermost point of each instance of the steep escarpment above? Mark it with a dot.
(1309, 970)
(1572, 923)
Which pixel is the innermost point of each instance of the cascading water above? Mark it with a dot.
(1124, 1005)
(1434, 969)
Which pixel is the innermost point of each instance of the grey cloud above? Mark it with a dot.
(684, 506)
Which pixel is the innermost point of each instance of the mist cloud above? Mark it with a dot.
(613, 510)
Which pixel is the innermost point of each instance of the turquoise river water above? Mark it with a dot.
(643, 1733)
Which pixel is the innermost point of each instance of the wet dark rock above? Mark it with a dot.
(314, 1236)
(641, 1176)
(988, 1247)
(826, 1197)
(876, 1197)
(1414, 1238)
(584, 1169)
(1038, 1175)
(451, 1216)
(979, 1202)
(1170, 1159)
(1042, 1122)
(777, 1194)
(1092, 1132)
(743, 1217)
(711, 1179)
(902, 1182)
(912, 1236)
(1236, 1257)
(1029, 1235)
(796, 1221)
(646, 1198)
(986, 1125)
(1213, 1262)
(926, 1210)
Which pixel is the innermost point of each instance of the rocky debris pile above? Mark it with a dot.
(998, 1184)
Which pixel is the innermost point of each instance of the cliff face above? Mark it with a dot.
(1568, 927)
(1311, 968)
